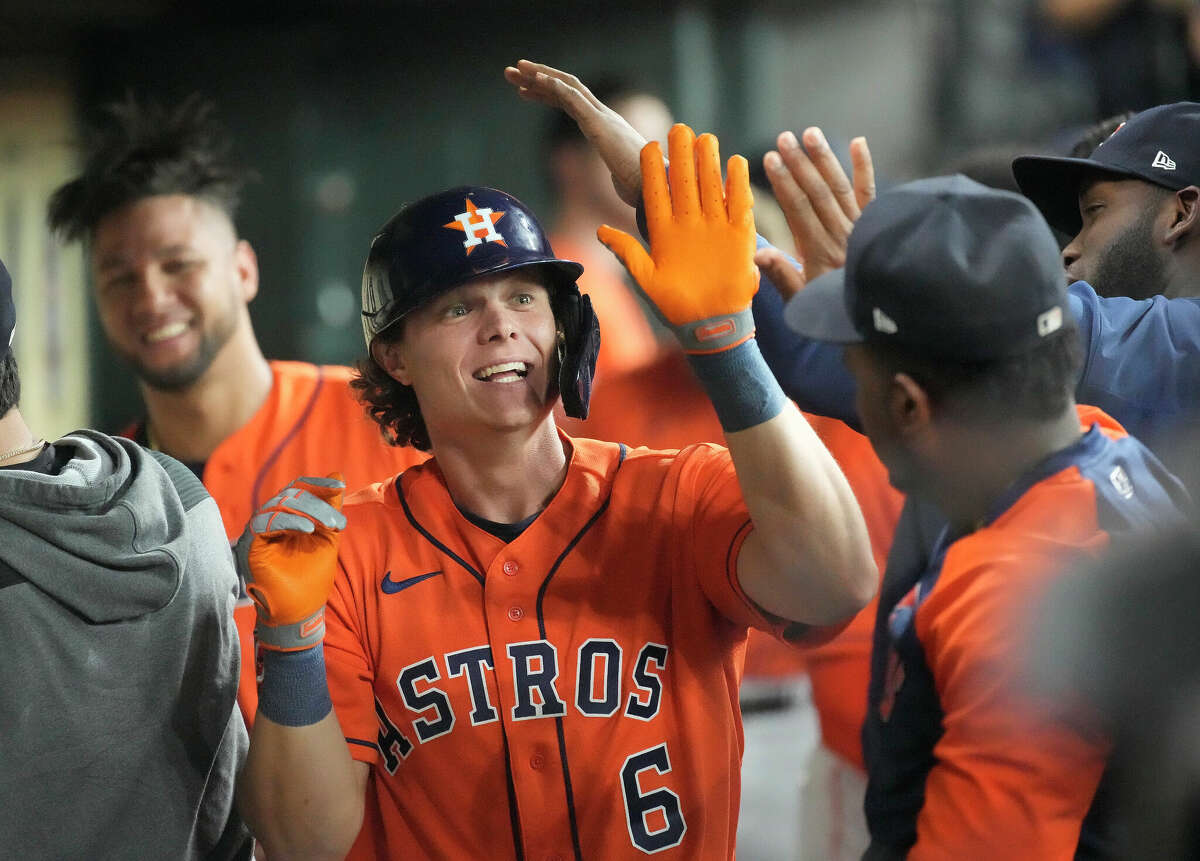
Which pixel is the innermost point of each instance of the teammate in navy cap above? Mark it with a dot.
(953, 310)
(1132, 206)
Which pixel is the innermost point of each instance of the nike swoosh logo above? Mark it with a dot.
(391, 587)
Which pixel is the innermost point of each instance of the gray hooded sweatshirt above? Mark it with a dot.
(119, 732)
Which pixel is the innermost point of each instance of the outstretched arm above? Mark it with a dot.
(821, 205)
(810, 372)
(617, 143)
(807, 558)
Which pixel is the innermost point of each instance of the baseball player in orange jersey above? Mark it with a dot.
(830, 804)
(533, 642)
(155, 204)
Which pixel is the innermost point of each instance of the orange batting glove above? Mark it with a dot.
(288, 556)
(699, 273)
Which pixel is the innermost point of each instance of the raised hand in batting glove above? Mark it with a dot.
(699, 273)
(288, 556)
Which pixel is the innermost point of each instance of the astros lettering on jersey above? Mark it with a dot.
(522, 700)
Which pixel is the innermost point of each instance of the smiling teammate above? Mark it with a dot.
(155, 206)
(533, 644)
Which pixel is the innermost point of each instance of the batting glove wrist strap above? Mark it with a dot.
(293, 691)
(714, 334)
(742, 388)
(291, 638)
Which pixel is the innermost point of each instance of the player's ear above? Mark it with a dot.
(908, 405)
(245, 262)
(389, 355)
(1185, 215)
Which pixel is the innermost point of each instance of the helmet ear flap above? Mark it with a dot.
(578, 349)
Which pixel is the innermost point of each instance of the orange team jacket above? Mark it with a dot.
(960, 764)
(310, 424)
(571, 694)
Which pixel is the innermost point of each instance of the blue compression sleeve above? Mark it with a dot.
(740, 386)
(293, 691)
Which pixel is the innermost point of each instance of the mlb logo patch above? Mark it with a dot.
(1119, 479)
(479, 225)
(1049, 322)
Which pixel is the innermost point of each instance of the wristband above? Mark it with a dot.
(741, 387)
(293, 690)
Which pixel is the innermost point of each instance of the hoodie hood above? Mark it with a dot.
(105, 536)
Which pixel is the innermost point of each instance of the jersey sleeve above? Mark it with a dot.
(810, 372)
(1141, 359)
(717, 524)
(348, 668)
(1009, 781)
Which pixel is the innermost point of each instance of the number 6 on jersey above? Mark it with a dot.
(640, 806)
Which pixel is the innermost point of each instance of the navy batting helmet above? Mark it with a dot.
(447, 239)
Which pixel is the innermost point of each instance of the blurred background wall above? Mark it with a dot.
(348, 109)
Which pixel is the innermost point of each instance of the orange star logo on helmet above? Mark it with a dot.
(479, 225)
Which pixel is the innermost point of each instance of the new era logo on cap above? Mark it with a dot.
(1164, 161)
(883, 323)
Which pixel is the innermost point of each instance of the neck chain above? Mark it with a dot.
(25, 449)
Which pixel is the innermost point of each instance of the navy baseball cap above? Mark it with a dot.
(8, 312)
(945, 268)
(1160, 145)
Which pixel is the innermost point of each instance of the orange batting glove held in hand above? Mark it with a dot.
(288, 556)
(700, 273)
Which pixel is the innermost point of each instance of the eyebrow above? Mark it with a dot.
(116, 259)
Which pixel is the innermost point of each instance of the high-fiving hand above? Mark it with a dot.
(614, 140)
(821, 205)
(699, 273)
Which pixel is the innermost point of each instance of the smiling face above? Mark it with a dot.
(1117, 250)
(172, 282)
(481, 357)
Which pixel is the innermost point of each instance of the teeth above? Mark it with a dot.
(511, 370)
(168, 331)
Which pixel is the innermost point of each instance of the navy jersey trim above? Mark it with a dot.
(369, 744)
(291, 434)
(428, 537)
(1084, 449)
(558, 721)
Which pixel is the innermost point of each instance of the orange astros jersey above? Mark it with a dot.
(571, 694)
(310, 424)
